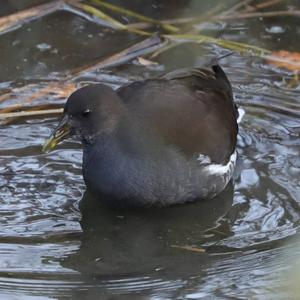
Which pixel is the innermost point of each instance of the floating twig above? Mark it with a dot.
(263, 5)
(190, 248)
(193, 20)
(100, 14)
(59, 90)
(268, 14)
(110, 20)
(236, 46)
(144, 47)
(16, 19)
(237, 6)
(119, 9)
(166, 47)
(30, 113)
(186, 21)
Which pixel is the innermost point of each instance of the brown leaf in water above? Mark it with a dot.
(285, 59)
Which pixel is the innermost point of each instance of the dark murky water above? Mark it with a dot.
(53, 245)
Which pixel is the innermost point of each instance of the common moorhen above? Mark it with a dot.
(155, 142)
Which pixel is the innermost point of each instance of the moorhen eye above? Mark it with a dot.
(85, 112)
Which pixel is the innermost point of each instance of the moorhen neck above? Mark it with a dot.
(160, 141)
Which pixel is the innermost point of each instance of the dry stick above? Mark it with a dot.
(30, 113)
(263, 5)
(237, 6)
(18, 18)
(97, 13)
(74, 8)
(146, 46)
(8, 113)
(259, 14)
(208, 16)
(191, 20)
(203, 18)
(232, 45)
(167, 47)
(227, 17)
(51, 88)
(268, 4)
(122, 10)
(190, 248)
(29, 100)
(144, 25)
(6, 118)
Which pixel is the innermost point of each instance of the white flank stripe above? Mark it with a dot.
(241, 115)
(218, 169)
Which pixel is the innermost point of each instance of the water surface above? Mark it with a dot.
(57, 242)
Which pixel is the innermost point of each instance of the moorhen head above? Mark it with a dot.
(156, 142)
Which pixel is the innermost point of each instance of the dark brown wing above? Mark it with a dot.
(191, 109)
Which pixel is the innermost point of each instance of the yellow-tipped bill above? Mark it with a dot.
(60, 133)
